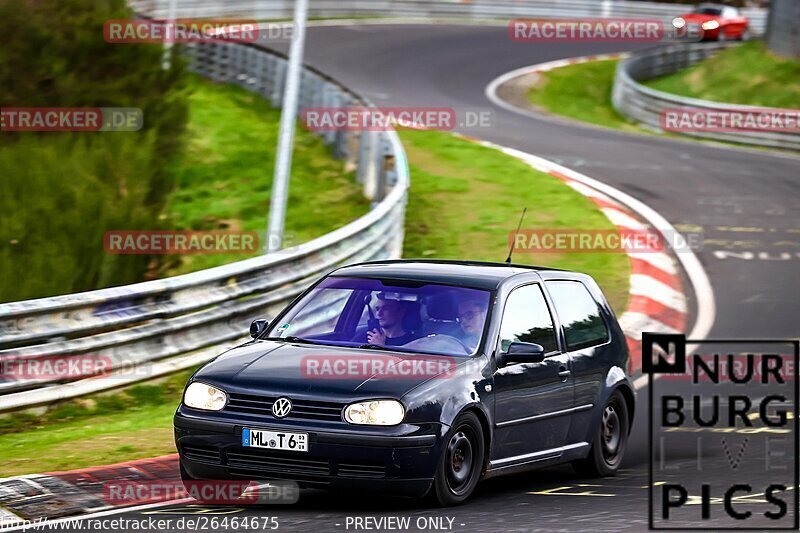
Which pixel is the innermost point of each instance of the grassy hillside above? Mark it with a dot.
(747, 74)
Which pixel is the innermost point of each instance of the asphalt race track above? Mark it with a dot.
(746, 203)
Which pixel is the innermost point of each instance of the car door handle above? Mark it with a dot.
(564, 374)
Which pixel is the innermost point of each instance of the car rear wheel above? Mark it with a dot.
(461, 462)
(609, 442)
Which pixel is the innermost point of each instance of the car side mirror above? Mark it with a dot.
(523, 352)
(257, 327)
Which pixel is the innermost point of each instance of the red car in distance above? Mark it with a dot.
(718, 22)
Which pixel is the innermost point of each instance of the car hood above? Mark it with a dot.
(699, 18)
(282, 368)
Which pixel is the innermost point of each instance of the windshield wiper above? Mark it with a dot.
(291, 338)
(378, 347)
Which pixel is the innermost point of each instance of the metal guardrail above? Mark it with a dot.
(158, 327)
(645, 104)
(433, 9)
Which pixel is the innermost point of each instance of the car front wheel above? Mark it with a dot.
(609, 442)
(461, 462)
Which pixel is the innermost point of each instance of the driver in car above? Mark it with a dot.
(471, 317)
(389, 315)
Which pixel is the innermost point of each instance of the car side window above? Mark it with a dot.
(579, 314)
(526, 318)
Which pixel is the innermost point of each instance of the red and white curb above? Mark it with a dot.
(550, 65)
(64, 496)
(657, 302)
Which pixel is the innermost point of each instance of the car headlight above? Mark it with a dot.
(678, 22)
(203, 396)
(710, 25)
(375, 412)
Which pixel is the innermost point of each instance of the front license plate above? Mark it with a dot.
(275, 440)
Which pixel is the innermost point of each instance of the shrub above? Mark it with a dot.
(59, 192)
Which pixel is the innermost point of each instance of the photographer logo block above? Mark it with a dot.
(663, 353)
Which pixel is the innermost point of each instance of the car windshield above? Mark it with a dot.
(709, 10)
(418, 317)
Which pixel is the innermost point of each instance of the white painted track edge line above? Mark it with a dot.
(490, 92)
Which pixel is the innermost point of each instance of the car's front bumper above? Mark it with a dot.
(398, 460)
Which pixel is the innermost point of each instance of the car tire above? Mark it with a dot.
(460, 463)
(609, 441)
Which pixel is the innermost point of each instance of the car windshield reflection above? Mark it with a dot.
(406, 316)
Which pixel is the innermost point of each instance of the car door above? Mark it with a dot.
(588, 344)
(530, 398)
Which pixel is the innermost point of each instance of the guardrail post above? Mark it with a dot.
(362, 171)
(217, 62)
(269, 76)
(382, 166)
(251, 69)
(190, 54)
(239, 70)
(280, 79)
(260, 73)
(306, 90)
(331, 99)
(372, 165)
(352, 141)
(340, 146)
(389, 164)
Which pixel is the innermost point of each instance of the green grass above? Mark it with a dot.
(466, 198)
(224, 181)
(581, 92)
(747, 74)
(130, 424)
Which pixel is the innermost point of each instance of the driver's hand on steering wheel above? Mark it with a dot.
(376, 336)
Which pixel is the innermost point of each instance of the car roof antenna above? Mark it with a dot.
(514, 240)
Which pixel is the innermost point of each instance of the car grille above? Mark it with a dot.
(301, 409)
(255, 463)
(202, 454)
(365, 470)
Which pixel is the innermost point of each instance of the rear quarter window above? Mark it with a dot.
(579, 313)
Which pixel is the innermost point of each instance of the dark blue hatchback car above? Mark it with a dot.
(416, 377)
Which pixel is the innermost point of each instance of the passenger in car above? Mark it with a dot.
(390, 314)
(471, 318)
